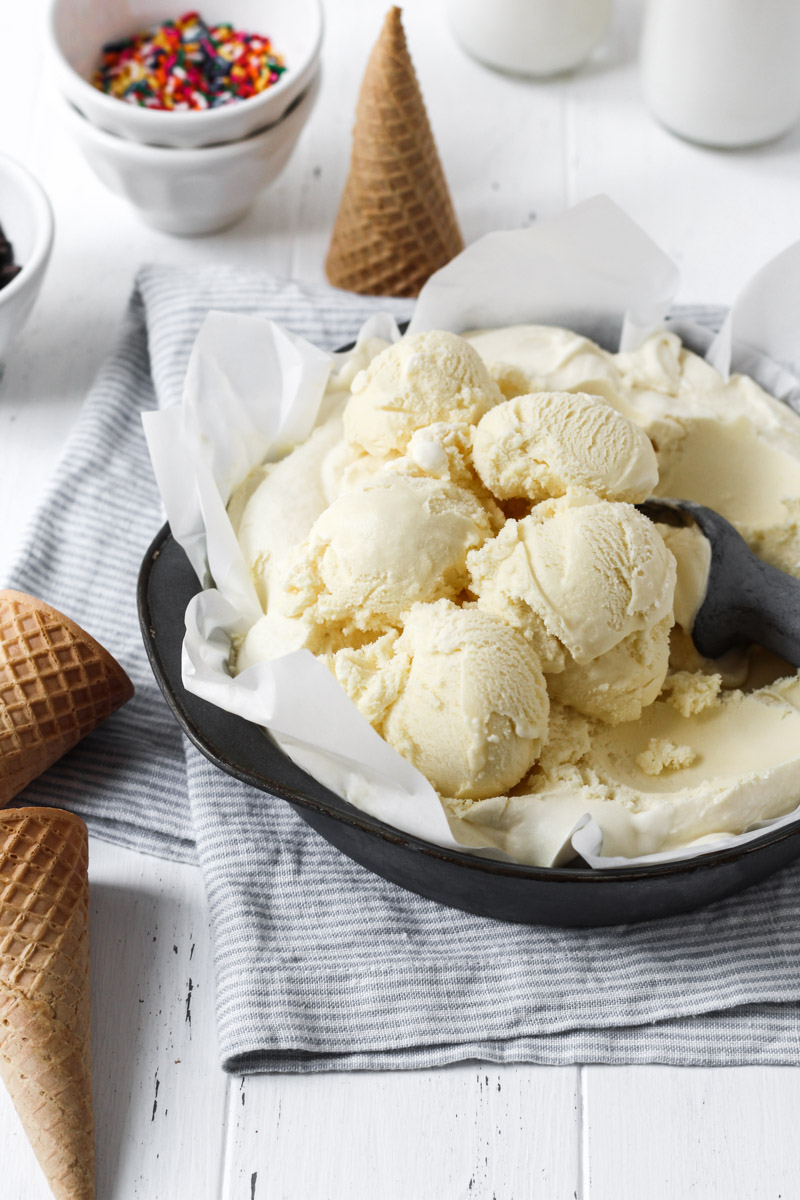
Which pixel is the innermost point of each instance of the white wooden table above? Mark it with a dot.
(169, 1123)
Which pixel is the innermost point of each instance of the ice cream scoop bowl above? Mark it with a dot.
(746, 599)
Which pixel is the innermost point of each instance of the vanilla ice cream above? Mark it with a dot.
(543, 358)
(377, 550)
(276, 506)
(692, 553)
(591, 585)
(726, 444)
(592, 571)
(618, 684)
(459, 693)
(542, 445)
(458, 542)
(444, 450)
(421, 379)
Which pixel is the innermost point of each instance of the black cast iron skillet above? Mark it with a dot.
(569, 896)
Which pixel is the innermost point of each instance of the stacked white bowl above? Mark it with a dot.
(186, 172)
(27, 221)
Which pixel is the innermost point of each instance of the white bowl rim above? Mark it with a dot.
(186, 155)
(43, 225)
(209, 116)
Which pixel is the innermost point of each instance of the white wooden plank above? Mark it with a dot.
(716, 1133)
(160, 1097)
(469, 1131)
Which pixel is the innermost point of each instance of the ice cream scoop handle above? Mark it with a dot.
(771, 610)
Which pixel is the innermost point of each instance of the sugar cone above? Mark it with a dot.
(56, 685)
(45, 1048)
(396, 223)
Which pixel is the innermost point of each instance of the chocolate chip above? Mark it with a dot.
(6, 252)
(8, 270)
(8, 273)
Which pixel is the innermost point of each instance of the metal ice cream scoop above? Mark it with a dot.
(746, 600)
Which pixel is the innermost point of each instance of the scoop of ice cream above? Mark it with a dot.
(593, 571)
(472, 712)
(376, 551)
(541, 445)
(421, 379)
(618, 685)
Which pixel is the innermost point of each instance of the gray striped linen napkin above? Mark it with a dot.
(320, 964)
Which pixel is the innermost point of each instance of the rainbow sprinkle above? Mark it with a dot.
(187, 65)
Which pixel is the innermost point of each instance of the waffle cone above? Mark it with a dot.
(45, 1049)
(396, 223)
(56, 685)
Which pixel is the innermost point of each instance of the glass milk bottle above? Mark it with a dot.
(723, 72)
(530, 37)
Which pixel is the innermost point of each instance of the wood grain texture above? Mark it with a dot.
(472, 1131)
(512, 150)
(160, 1097)
(715, 1133)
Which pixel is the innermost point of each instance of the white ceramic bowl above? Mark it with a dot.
(190, 192)
(78, 29)
(530, 37)
(27, 221)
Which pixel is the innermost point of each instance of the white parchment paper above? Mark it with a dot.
(253, 391)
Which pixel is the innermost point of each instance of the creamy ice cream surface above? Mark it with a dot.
(377, 550)
(276, 506)
(591, 584)
(459, 542)
(692, 553)
(459, 693)
(421, 379)
(542, 445)
(592, 571)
